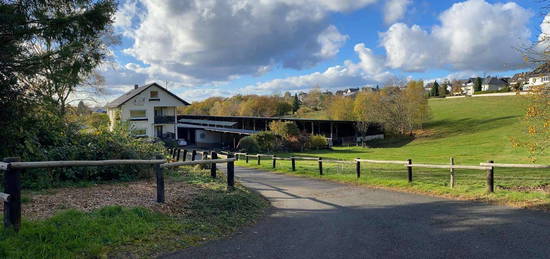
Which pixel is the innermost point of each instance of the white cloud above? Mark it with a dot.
(218, 40)
(394, 10)
(473, 35)
(369, 70)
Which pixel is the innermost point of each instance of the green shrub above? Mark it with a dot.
(284, 129)
(249, 145)
(268, 141)
(74, 144)
(317, 142)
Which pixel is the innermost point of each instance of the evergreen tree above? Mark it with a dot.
(477, 84)
(435, 89)
(295, 104)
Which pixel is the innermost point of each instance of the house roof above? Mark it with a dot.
(131, 94)
(493, 81)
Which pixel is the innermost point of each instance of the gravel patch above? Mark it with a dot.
(132, 194)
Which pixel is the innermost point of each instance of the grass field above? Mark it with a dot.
(120, 232)
(472, 130)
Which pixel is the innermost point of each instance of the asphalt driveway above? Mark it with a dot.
(320, 219)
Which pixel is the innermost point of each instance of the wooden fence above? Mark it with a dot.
(489, 167)
(13, 168)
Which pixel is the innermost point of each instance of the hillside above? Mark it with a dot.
(472, 130)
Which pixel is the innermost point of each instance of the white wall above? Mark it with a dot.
(142, 102)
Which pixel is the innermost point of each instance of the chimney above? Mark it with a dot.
(136, 86)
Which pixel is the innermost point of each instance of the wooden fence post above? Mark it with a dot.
(491, 178)
(230, 173)
(259, 159)
(358, 168)
(213, 156)
(246, 157)
(452, 170)
(274, 161)
(173, 154)
(178, 156)
(184, 154)
(12, 186)
(293, 161)
(204, 155)
(410, 171)
(320, 166)
(193, 155)
(160, 181)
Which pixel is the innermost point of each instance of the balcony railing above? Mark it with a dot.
(165, 119)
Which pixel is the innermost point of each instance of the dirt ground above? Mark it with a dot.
(132, 194)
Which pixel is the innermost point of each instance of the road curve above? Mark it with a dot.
(320, 219)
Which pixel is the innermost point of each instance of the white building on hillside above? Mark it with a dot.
(150, 110)
(537, 80)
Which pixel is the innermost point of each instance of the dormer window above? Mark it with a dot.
(154, 96)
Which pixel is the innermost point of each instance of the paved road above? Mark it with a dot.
(320, 219)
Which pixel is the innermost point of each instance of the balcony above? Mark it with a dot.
(165, 120)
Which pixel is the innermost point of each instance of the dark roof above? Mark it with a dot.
(131, 94)
(493, 81)
(189, 116)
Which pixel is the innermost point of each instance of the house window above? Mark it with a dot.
(154, 96)
(138, 114)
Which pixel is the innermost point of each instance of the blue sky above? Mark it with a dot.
(208, 48)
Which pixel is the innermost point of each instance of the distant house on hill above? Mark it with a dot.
(351, 91)
(493, 84)
(150, 110)
(539, 76)
(519, 80)
(468, 86)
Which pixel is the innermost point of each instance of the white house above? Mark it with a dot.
(149, 109)
(537, 80)
(468, 87)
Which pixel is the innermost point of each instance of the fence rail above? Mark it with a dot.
(398, 162)
(489, 166)
(13, 168)
(472, 167)
(515, 165)
(73, 163)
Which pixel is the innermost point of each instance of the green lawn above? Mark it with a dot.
(136, 232)
(472, 130)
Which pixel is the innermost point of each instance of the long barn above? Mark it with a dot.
(211, 131)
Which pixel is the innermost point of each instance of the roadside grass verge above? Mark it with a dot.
(525, 188)
(115, 231)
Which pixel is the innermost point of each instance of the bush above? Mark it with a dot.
(249, 145)
(317, 142)
(74, 144)
(268, 141)
(284, 129)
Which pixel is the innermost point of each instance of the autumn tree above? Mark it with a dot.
(340, 108)
(397, 111)
(456, 87)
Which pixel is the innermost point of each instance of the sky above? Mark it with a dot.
(204, 48)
